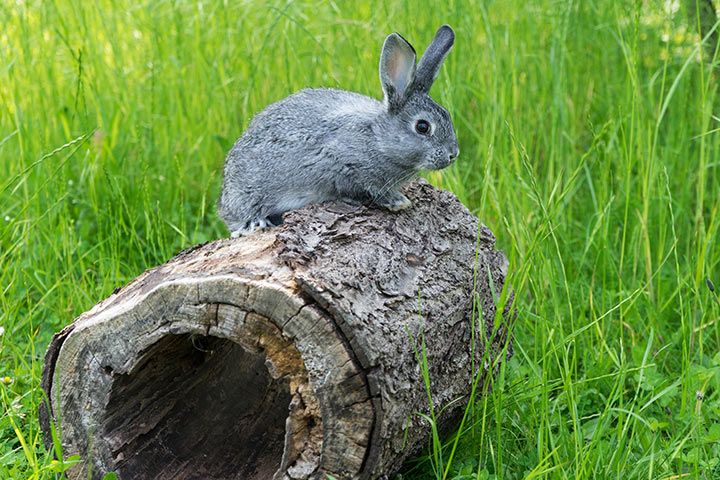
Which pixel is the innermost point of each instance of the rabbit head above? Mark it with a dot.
(418, 130)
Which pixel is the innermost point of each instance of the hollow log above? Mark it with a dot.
(294, 353)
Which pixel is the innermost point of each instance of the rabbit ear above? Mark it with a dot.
(432, 59)
(397, 70)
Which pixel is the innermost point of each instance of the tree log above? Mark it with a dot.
(288, 354)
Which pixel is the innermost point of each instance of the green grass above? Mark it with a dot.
(590, 142)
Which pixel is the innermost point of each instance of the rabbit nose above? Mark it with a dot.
(454, 153)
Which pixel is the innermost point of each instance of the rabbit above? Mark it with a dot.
(323, 144)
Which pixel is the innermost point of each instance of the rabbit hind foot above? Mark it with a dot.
(252, 226)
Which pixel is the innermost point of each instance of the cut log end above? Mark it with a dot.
(157, 421)
(285, 355)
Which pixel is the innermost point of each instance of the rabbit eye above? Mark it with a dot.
(422, 127)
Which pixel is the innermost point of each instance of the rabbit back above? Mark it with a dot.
(300, 150)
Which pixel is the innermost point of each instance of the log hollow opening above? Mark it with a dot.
(191, 403)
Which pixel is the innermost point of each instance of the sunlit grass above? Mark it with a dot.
(590, 142)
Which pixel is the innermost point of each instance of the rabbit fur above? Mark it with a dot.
(326, 144)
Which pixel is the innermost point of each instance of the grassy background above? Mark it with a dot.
(590, 146)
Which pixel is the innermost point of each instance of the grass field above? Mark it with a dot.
(590, 140)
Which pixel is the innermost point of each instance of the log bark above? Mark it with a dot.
(288, 354)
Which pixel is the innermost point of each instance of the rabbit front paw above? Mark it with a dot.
(394, 201)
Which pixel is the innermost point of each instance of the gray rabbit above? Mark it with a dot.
(325, 144)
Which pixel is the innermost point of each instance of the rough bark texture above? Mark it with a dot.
(287, 354)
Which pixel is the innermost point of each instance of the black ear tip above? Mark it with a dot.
(446, 31)
(393, 37)
(397, 39)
